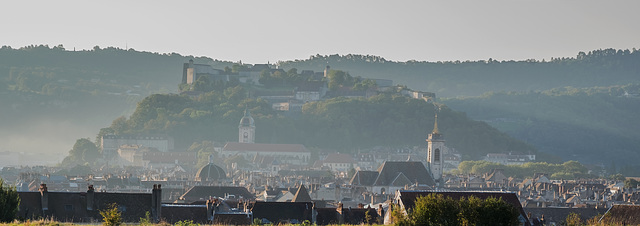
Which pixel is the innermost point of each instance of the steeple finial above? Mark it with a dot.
(435, 125)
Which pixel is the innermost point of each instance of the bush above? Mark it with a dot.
(9, 202)
(111, 216)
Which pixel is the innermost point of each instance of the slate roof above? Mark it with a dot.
(283, 212)
(210, 172)
(559, 214)
(172, 213)
(400, 180)
(496, 176)
(204, 192)
(413, 171)
(364, 178)
(622, 215)
(235, 146)
(302, 195)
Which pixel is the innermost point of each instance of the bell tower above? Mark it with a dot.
(247, 128)
(435, 147)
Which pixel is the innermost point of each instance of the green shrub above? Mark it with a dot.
(111, 216)
(9, 202)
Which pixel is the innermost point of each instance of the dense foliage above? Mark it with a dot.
(568, 170)
(111, 215)
(9, 202)
(345, 124)
(597, 125)
(603, 67)
(435, 209)
(83, 152)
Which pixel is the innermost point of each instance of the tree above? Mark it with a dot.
(630, 183)
(9, 202)
(435, 209)
(83, 151)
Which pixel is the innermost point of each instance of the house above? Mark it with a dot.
(283, 212)
(110, 143)
(557, 215)
(294, 154)
(338, 162)
(200, 193)
(349, 216)
(86, 206)
(156, 160)
(622, 215)
(311, 91)
(302, 195)
(392, 176)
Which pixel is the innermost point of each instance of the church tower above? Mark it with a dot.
(247, 128)
(435, 147)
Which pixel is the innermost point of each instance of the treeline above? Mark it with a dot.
(603, 67)
(593, 125)
(568, 170)
(345, 124)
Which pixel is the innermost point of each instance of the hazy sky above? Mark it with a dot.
(260, 31)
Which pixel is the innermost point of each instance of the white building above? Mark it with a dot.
(294, 154)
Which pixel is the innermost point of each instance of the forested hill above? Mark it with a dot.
(473, 78)
(344, 124)
(110, 69)
(45, 90)
(597, 125)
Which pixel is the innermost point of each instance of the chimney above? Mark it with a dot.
(340, 214)
(380, 214)
(90, 197)
(210, 204)
(156, 202)
(44, 199)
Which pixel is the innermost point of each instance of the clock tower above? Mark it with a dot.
(247, 128)
(435, 147)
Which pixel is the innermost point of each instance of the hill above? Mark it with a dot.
(343, 124)
(594, 125)
(473, 78)
(45, 90)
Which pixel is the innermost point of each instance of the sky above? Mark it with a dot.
(260, 31)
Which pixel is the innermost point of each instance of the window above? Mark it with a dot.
(436, 155)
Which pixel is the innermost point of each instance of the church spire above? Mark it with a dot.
(435, 125)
